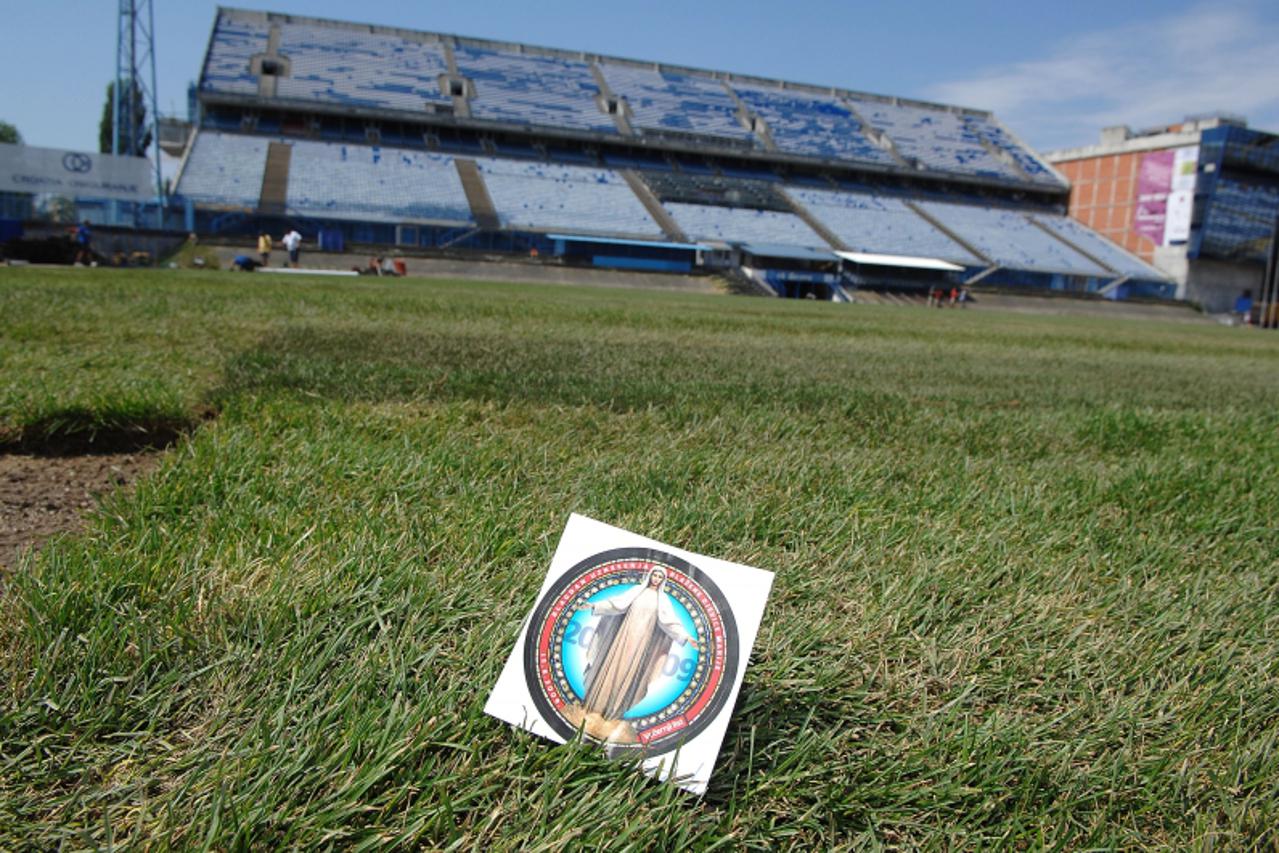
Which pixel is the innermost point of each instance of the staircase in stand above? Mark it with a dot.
(743, 281)
(275, 179)
(477, 195)
(813, 222)
(654, 207)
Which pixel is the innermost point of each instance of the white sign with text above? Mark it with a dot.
(74, 174)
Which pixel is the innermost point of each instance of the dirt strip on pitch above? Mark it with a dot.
(41, 496)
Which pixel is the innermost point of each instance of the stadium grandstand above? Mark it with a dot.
(427, 141)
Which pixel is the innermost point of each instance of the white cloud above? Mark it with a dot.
(1207, 59)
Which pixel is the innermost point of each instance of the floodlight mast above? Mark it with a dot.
(135, 71)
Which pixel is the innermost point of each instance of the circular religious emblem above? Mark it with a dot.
(633, 647)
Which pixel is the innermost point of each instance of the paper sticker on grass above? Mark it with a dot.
(639, 646)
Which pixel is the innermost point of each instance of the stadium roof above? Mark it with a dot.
(619, 241)
(797, 253)
(902, 261)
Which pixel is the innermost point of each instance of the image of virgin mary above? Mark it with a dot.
(635, 634)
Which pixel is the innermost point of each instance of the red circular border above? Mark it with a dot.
(720, 626)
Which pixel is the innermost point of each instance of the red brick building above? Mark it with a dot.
(1196, 199)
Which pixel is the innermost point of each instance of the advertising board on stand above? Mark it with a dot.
(1166, 195)
(75, 174)
(1181, 195)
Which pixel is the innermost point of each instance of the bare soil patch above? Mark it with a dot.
(44, 495)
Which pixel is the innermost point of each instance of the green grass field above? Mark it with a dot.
(1026, 592)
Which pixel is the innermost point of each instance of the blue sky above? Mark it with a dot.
(1055, 73)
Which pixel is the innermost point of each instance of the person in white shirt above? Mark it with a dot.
(292, 243)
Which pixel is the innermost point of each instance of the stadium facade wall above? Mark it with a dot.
(1198, 200)
(16, 206)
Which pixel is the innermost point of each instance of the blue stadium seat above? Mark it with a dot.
(580, 199)
(224, 170)
(669, 101)
(1009, 239)
(1099, 247)
(375, 184)
(347, 66)
(808, 123)
(336, 64)
(236, 40)
(881, 225)
(328, 180)
(991, 131)
(935, 138)
(350, 65)
(533, 90)
(743, 225)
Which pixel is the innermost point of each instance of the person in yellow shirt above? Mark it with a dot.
(264, 248)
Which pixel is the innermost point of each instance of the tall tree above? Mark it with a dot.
(139, 121)
(9, 133)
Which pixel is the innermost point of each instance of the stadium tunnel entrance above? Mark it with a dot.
(912, 276)
(794, 272)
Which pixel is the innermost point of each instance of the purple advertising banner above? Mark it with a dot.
(1154, 182)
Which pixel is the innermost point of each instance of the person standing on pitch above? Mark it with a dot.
(84, 244)
(264, 249)
(292, 244)
(1243, 308)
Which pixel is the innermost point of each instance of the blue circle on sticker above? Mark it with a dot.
(634, 648)
(675, 671)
